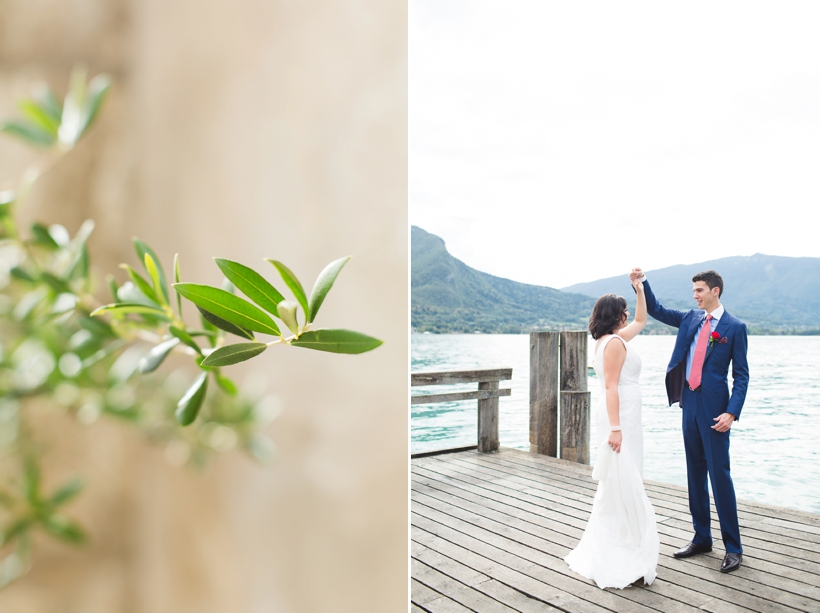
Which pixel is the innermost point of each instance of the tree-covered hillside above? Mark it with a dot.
(772, 294)
(449, 296)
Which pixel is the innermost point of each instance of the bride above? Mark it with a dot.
(620, 543)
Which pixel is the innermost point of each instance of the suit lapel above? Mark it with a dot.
(721, 327)
(693, 328)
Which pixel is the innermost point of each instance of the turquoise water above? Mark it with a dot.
(774, 445)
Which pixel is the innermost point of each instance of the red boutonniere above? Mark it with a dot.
(715, 338)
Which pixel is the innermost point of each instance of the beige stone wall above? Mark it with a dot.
(242, 129)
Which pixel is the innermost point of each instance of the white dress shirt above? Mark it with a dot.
(716, 315)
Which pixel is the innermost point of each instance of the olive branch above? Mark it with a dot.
(58, 342)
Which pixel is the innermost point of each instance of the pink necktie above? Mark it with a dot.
(700, 354)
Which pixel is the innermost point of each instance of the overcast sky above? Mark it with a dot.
(560, 142)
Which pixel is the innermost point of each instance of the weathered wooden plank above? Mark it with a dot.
(482, 394)
(460, 376)
(546, 569)
(574, 360)
(669, 503)
(509, 541)
(420, 593)
(750, 506)
(518, 600)
(549, 502)
(559, 509)
(445, 605)
(544, 392)
(488, 417)
(575, 426)
(531, 523)
(664, 588)
(496, 511)
(435, 452)
(454, 589)
(805, 557)
(527, 579)
(661, 491)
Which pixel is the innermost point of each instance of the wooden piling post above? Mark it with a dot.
(574, 361)
(575, 426)
(488, 419)
(575, 399)
(544, 393)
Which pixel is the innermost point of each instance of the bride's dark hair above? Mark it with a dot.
(607, 315)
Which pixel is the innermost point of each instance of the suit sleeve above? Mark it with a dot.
(670, 317)
(740, 371)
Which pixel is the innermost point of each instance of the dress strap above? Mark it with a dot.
(609, 338)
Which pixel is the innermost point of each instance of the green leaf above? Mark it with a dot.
(185, 338)
(228, 386)
(142, 249)
(125, 308)
(225, 305)
(177, 280)
(15, 529)
(153, 272)
(189, 405)
(97, 90)
(42, 237)
(233, 354)
(58, 285)
(322, 286)
(28, 133)
(287, 313)
(141, 283)
(336, 341)
(151, 360)
(7, 197)
(80, 267)
(64, 528)
(39, 117)
(215, 332)
(31, 481)
(217, 322)
(97, 327)
(78, 243)
(66, 492)
(22, 274)
(131, 294)
(50, 104)
(251, 283)
(293, 283)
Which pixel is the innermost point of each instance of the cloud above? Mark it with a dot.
(555, 143)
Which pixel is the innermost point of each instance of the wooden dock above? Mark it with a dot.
(489, 533)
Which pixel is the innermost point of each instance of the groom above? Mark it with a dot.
(708, 339)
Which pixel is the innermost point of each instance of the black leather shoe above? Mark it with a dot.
(692, 550)
(731, 562)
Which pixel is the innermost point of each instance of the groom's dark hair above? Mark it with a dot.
(712, 279)
(607, 315)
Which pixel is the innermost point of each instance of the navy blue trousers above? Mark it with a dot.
(707, 459)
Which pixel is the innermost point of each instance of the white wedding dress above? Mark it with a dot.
(620, 543)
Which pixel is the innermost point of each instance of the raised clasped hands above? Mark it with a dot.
(724, 422)
(636, 274)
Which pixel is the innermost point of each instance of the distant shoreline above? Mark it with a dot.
(752, 332)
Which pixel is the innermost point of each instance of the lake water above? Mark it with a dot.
(774, 448)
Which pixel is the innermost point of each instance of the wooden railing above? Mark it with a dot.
(487, 395)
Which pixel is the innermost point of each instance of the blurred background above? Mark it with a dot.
(243, 129)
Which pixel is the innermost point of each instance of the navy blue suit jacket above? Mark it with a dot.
(714, 378)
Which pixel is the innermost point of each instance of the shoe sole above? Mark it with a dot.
(729, 570)
(690, 555)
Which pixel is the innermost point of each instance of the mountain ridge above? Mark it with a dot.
(772, 294)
